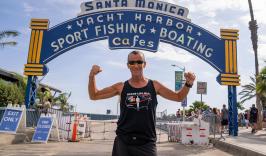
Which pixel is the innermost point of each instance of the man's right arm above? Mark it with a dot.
(105, 93)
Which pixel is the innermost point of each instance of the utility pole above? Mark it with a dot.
(183, 69)
(253, 27)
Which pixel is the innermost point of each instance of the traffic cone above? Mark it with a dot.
(74, 131)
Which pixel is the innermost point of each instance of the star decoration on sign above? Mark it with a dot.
(69, 27)
(199, 34)
(153, 30)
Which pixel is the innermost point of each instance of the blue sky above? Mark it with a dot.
(69, 72)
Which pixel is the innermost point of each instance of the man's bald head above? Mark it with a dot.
(135, 52)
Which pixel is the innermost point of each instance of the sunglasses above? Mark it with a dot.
(135, 62)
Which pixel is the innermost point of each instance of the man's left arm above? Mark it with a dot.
(175, 96)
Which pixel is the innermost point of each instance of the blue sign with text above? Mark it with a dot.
(43, 129)
(133, 29)
(178, 80)
(10, 120)
(184, 102)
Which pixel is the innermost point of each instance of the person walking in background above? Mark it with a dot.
(241, 117)
(207, 111)
(216, 120)
(46, 105)
(246, 116)
(224, 118)
(178, 115)
(253, 118)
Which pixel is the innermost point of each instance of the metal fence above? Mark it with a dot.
(215, 124)
(99, 127)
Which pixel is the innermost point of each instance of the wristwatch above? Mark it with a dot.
(188, 85)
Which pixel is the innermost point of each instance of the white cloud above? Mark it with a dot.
(209, 74)
(245, 19)
(116, 64)
(65, 2)
(66, 7)
(259, 11)
(262, 38)
(210, 11)
(245, 79)
(169, 52)
(28, 8)
(101, 45)
(261, 52)
(208, 6)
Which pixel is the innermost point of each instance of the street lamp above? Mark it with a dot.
(183, 69)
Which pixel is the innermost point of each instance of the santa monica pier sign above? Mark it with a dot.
(133, 24)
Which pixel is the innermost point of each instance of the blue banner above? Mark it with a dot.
(133, 29)
(178, 80)
(184, 102)
(43, 129)
(10, 120)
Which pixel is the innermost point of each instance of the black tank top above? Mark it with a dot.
(138, 112)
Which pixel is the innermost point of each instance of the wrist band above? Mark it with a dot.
(188, 85)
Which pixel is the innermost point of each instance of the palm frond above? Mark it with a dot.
(8, 33)
(249, 91)
(243, 99)
(11, 43)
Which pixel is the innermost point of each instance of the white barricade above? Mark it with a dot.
(196, 132)
(82, 126)
(188, 135)
(174, 132)
(203, 133)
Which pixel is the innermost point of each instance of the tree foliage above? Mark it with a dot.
(44, 94)
(240, 106)
(62, 102)
(10, 93)
(197, 105)
(14, 93)
(256, 85)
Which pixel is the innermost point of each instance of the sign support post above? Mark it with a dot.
(201, 89)
(230, 77)
(34, 67)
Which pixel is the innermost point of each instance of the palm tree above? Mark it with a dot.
(198, 105)
(62, 101)
(6, 34)
(261, 86)
(253, 26)
(257, 88)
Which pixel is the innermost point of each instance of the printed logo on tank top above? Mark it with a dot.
(138, 101)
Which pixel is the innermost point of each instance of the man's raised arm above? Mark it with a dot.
(105, 93)
(175, 96)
